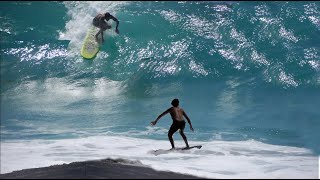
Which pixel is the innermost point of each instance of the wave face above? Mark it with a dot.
(243, 71)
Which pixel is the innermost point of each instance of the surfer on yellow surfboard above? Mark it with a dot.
(99, 22)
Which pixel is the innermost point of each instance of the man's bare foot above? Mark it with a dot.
(187, 147)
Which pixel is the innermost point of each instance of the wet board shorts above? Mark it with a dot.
(104, 25)
(95, 22)
(177, 125)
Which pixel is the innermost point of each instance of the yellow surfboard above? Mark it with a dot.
(90, 46)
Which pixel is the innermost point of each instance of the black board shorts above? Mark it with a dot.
(177, 125)
(103, 25)
(96, 22)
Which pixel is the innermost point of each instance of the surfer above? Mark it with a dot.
(99, 21)
(177, 114)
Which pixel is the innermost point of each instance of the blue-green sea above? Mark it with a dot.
(247, 73)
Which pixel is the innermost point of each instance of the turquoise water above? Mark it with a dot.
(243, 71)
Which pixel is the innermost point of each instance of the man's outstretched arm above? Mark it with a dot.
(185, 115)
(159, 117)
(117, 21)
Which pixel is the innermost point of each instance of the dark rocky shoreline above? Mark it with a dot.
(96, 169)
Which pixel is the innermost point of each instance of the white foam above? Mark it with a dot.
(216, 159)
(55, 94)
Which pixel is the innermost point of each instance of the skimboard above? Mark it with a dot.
(90, 46)
(185, 148)
(164, 151)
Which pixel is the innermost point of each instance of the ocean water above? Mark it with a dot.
(246, 73)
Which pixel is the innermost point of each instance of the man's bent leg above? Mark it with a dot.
(184, 137)
(100, 31)
(171, 139)
(172, 130)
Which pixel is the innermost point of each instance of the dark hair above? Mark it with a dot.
(175, 102)
(107, 15)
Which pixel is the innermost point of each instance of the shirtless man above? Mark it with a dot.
(99, 21)
(177, 114)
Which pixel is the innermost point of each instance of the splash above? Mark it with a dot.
(81, 14)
